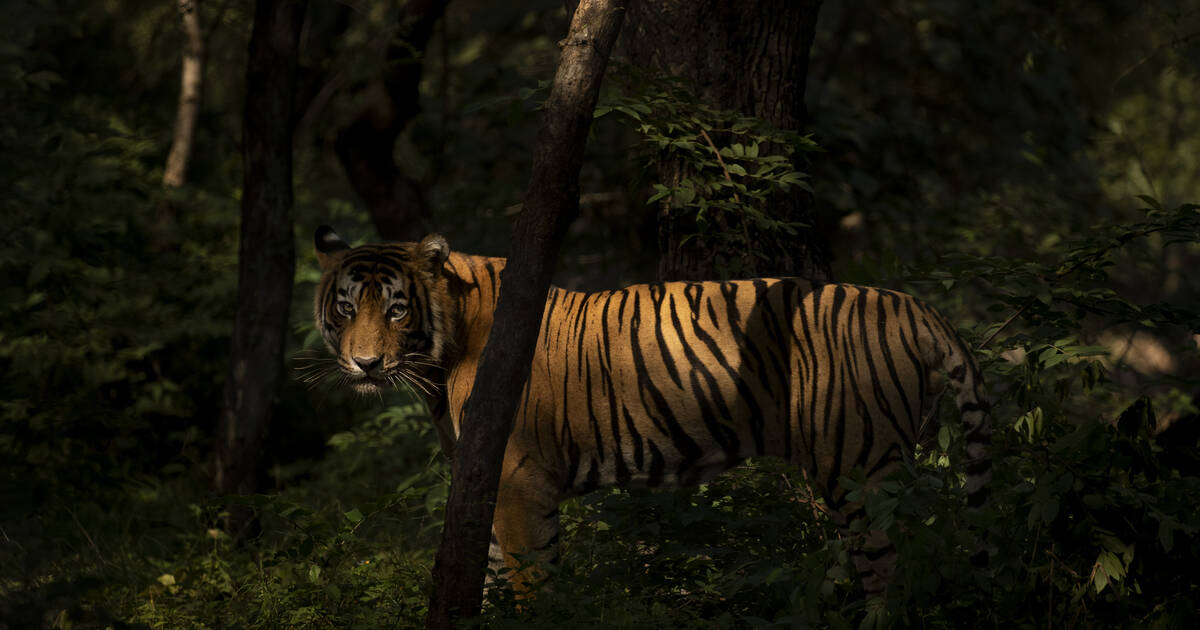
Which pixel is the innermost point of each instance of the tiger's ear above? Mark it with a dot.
(330, 247)
(433, 250)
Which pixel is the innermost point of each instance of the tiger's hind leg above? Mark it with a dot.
(873, 554)
(525, 533)
(875, 560)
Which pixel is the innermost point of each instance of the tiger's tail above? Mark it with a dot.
(966, 382)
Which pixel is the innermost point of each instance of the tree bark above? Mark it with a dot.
(366, 147)
(551, 203)
(266, 260)
(191, 87)
(749, 56)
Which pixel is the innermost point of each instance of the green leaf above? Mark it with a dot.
(1150, 201)
(660, 193)
(1056, 359)
(1100, 580)
(354, 516)
(1111, 569)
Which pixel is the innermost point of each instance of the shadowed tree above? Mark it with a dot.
(551, 203)
(749, 56)
(366, 146)
(266, 257)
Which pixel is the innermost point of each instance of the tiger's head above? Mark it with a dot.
(382, 310)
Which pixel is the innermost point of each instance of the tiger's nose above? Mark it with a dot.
(366, 364)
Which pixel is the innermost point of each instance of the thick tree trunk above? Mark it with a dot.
(551, 203)
(749, 56)
(366, 146)
(266, 260)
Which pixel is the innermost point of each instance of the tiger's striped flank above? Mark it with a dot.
(658, 384)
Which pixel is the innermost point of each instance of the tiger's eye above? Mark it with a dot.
(345, 309)
(397, 312)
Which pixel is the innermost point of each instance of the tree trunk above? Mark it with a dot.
(191, 83)
(191, 86)
(551, 203)
(266, 260)
(366, 146)
(749, 56)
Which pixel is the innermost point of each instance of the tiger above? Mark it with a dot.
(658, 384)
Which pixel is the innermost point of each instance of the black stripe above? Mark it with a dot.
(808, 362)
(838, 428)
(725, 436)
(904, 309)
(548, 319)
(862, 346)
(573, 456)
(912, 409)
(593, 421)
(667, 360)
(636, 436)
(661, 413)
(605, 358)
(577, 329)
(592, 481)
(959, 372)
(655, 475)
(621, 309)
(553, 542)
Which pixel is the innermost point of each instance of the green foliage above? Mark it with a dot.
(730, 170)
(1090, 492)
(1082, 525)
(750, 549)
(357, 555)
(108, 350)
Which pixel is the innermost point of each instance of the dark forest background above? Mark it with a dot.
(1027, 167)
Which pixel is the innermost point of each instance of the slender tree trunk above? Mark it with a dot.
(749, 56)
(551, 203)
(266, 260)
(191, 87)
(366, 146)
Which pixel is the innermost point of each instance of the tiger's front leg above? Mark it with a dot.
(524, 529)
